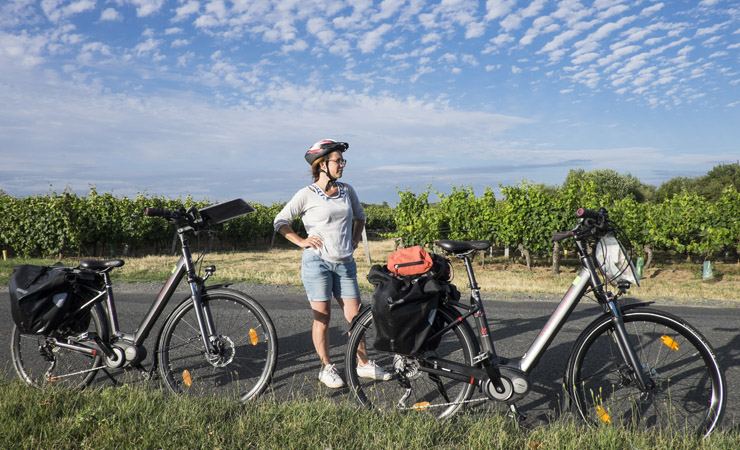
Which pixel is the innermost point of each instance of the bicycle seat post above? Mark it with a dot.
(110, 304)
(481, 321)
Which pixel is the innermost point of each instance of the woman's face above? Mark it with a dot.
(335, 164)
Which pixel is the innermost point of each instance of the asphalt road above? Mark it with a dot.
(515, 324)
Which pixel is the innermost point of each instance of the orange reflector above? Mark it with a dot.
(421, 406)
(673, 345)
(52, 379)
(186, 378)
(253, 336)
(603, 415)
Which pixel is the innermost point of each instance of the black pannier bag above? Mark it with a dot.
(405, 308)
(40, 297)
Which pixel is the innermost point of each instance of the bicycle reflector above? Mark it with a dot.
(421, 406)
(669, 342)
(253, 336)
(186, 378)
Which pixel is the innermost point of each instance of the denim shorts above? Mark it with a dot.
(323, 278)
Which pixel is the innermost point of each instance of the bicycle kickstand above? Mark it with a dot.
(514, 413)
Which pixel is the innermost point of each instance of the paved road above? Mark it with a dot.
(520, 321)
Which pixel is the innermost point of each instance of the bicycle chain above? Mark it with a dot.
(472, 400)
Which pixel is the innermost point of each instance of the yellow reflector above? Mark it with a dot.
(603, 415)
(421, 406)
(186, 378)
(673, 345)
(253, 336)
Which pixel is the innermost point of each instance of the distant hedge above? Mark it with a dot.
(98, 224)
(528, 214)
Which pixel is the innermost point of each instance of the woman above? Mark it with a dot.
(334, 220)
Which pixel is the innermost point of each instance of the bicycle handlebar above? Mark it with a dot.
(178, 216)
(592, 223)
(584, 213)
(159, 212)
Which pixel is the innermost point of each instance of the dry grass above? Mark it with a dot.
(282, 266)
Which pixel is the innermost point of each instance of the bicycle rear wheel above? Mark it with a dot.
(410, 388)
(689, 392)
(245, 344)
(58, 358)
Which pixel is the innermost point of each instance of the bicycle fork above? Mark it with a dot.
(626, 350)
(620, 336)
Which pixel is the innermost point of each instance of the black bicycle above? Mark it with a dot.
(218, 341)
(632, 366)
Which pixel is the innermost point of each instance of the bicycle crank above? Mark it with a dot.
(514, 385)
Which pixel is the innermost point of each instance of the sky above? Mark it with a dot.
(220, 99)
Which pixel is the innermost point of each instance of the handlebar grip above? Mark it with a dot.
(562, 235)
(157, 212)
(584, 213)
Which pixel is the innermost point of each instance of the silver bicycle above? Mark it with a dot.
(632, 366)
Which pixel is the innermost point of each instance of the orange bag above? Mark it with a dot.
(410, 261)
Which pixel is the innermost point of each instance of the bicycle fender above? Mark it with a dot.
(622, 307)
(363, 308)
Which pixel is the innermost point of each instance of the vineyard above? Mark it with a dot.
(524, 218)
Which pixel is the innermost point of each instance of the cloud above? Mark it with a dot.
(24, 50)
(145, 8)
(186, 10)
(56, 12)
(372, 39)
(110, 15)
(180, 127)
(498, 8)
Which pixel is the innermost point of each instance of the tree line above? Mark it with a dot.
(101, 225)
(690, 217)
(694, 217)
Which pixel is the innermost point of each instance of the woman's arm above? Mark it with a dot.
(357, 228)
(314, 242)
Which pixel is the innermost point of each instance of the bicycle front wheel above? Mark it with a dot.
(689, 388)
(64, 358)
(410, 388)
(245, 348)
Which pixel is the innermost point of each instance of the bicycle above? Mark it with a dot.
(216, 341)
(633, 365)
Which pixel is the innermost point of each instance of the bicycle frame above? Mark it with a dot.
(184, 267)
(587, 278)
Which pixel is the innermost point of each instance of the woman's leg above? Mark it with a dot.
(350, 307)
(320, 330)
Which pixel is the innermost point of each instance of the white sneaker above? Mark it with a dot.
(373, 371)
(330, 377)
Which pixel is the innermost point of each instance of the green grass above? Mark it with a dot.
(134, 417)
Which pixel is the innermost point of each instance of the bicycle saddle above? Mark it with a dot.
(462, 246)
(100, 265)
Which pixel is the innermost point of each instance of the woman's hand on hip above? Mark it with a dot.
(314, 242)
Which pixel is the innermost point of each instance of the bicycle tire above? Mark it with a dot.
(246, 340)
(457, 344)
(689, 393)
(40, 361)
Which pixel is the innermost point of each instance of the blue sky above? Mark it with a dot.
(221, 98)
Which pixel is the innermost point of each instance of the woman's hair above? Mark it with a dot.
(316, 167)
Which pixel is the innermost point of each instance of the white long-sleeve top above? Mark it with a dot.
(327, 217)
